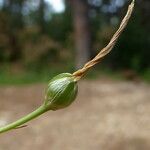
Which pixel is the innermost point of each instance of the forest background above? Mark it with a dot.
(37, 41)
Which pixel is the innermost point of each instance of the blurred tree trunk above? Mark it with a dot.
(145, 10)
(14, 24)
(82, 31)
(41, 20)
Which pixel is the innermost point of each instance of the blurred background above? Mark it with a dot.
(42, 38)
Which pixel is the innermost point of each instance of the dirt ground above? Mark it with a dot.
(107, 115)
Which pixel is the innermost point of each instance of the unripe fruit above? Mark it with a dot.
(61, 91)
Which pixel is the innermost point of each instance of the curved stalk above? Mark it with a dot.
(39, 111)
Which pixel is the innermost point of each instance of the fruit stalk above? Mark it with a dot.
(39, 111)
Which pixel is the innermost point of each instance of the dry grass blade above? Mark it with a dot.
(81, 72)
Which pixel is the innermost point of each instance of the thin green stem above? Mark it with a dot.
(42, 109)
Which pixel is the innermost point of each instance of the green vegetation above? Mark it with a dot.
(29, 77)
(146, 76)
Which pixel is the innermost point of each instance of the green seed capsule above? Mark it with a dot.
(61, 91)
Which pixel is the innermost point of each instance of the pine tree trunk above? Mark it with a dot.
(82, 31)
(41, 20)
